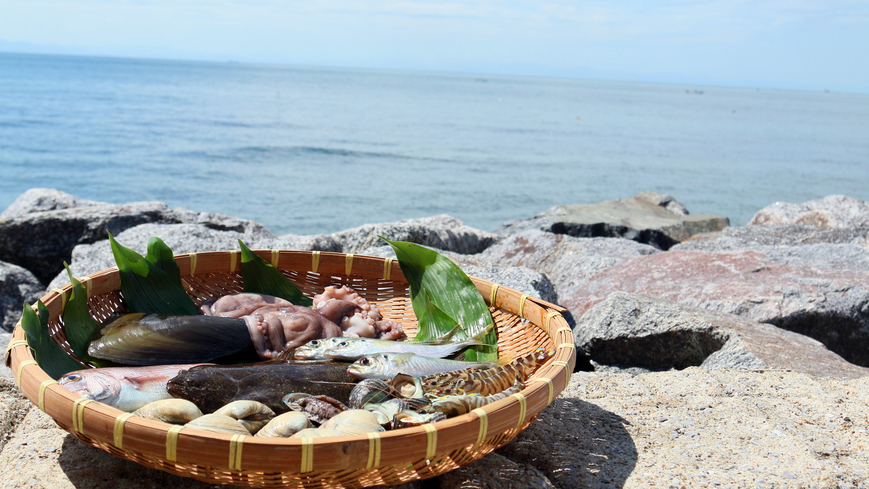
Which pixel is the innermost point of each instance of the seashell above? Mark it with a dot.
(408, 418)
(315, 433)
(285, 425)
(408, 386)
(252, 414)
(354, 422)
(318, 408)
(177, 411)
(386, 411)
(218, 424)
(370, 391)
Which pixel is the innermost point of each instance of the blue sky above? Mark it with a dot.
(793, 44)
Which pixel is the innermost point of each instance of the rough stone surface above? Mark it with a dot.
(690, 428)
(442, 232)
(43, 199)
(749, 237)
(522, 279)
(568, 262)
(831, 306)
(17, 286)
(182, 238)
(631, 330)
(648, 218)
(41, 241)
(833, 211)
(5, 372)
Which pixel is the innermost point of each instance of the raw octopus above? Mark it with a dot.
(276, 325)
(365, 321)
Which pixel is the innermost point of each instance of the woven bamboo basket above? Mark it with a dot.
(392, 457)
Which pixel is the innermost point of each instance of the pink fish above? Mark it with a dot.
(125, 388)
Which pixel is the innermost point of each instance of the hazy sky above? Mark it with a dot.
(815, 45)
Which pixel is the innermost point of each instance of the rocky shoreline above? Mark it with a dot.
(709, 356)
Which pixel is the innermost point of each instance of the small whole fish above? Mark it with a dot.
(124, 388)
(388, 365)
(315, 349)
(352, 349)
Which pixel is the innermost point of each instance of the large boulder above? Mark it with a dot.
(442, 232)
(17, 286)
(568, 262)
(833, 211)
(830, 305)
(630, 330)
(44, 199)
(42, 240)
(774, 235)
(183, 238)
(647, 217)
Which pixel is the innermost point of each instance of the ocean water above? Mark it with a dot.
(308, 150)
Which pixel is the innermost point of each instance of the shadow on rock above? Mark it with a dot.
(87, 467)
(576, 444)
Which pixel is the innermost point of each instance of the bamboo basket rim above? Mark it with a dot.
(389, 457)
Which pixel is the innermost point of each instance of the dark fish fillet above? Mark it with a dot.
(211, 387)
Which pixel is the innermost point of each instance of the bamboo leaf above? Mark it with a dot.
(152, 284)
(443, 296)
(261, 277)
(79, 325)
(48, 353)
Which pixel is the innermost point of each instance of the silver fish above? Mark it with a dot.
(351, 349)
(314, 349)
(124, 388)
(388, 365)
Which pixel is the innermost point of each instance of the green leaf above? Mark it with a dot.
(443, 297)
(152, 284)
(261, 277)
(79, 325)
(48, 353)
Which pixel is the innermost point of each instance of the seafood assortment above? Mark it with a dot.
(390, 384)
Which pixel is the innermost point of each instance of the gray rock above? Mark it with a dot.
(183, 238)
(833, 211)
(830, 305)
(5, 338)
(17, 286)
(521, 279)
(41, 241)
(742, 238)
(647, 217)
(568, 262)
(43, 199)
(631, 330)
(441, 232)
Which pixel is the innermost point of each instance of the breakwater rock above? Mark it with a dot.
(728, 356)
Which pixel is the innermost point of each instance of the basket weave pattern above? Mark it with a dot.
(392, 457)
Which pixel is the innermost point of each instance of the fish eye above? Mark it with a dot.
(343, 343)
(364, 361)
(73, 377)
(314, 343)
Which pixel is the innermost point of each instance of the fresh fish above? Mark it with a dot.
(124, 388)
(151, 339)
(314, 349)
(352, 349)
(388, 365)
(211, 387)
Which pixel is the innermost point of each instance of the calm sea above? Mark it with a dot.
(313, 150)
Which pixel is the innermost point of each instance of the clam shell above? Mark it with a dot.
(370, 391)
(354, 422)
(177, 411)
(409, 418)
(318, 408)
(407, 386)
(252, 414)
(285, 425)
(315, 433)
(218, 424)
